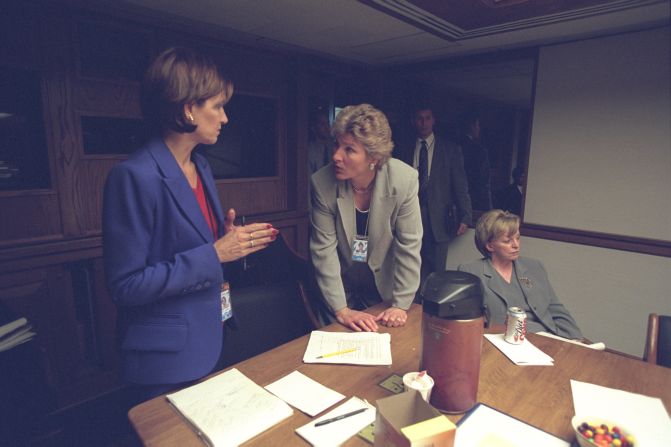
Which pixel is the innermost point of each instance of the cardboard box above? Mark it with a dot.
(407, 420)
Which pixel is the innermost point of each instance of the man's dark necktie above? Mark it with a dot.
(423, 170)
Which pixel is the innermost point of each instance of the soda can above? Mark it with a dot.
(516, 325)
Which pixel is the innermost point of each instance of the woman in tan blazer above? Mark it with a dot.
(366, 224)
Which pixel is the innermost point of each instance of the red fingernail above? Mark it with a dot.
(275, 231)
(272, 238)
(268, 226)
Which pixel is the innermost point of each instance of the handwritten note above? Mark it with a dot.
(363, 348)
(229, 409)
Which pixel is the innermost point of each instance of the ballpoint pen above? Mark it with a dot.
(331, 354)
(342, 416)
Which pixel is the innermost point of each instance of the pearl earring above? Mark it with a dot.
(189, 116)
(371, 166)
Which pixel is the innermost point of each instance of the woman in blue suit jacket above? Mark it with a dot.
(511, 280)
(165, 234)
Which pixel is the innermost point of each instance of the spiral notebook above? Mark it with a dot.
(229, 408)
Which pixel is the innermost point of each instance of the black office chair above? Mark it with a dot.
(270, 303)
(658, 340)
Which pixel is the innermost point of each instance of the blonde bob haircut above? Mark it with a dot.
(492, 225)
(368, 126)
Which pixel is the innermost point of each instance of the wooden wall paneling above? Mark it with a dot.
(63, 130)
(105, 314)
(107, 98)
(90, 179)
(44, 297)
(29, 217)
(19, 34)
(253, 196)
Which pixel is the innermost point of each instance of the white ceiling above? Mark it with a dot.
(354, 32)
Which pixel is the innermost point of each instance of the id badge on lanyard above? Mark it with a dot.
(226, 309)
(360, 249)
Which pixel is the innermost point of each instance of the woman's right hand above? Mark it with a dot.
(356, 320)
(239, 241)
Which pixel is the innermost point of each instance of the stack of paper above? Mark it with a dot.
(522, 354)
(229, 409)
(353, 348)
(15, 333)
(302, 392)
(338, 432)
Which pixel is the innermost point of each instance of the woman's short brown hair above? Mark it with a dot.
(179, 76)
(368, 126)
(492, 225)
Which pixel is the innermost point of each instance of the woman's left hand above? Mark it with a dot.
(392, 317)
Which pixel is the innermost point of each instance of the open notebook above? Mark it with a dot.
(229, 408)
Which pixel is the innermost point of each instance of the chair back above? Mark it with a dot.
(658, 340)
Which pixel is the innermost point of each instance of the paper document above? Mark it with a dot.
(645, 416)
(338, 432)
(15, 333)
(229, 408)
(598, 346)
(302, 392)
(523, 354)
(484, 426)
(12, 325)
(353, 348)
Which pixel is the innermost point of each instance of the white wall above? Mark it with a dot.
(600, 155)
(600, 160)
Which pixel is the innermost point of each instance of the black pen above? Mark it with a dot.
(342, 416)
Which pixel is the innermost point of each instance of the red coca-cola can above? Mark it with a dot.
(516, 325)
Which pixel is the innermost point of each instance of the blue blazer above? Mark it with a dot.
(162, 268)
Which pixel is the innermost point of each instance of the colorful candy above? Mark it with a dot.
(603, 435)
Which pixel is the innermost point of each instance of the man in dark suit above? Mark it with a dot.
(476, 161)
(443, 194)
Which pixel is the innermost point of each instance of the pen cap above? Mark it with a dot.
(453, 295)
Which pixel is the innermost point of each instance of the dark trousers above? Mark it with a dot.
(433, 253)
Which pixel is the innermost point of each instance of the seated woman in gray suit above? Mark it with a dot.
(510, 280)
(366, 224)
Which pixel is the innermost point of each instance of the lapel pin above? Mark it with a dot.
(526, 281)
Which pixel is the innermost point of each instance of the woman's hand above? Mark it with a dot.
(239, 241)
(392, 317)
(356, 320)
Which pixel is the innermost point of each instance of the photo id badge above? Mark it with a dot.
(360, 249)
(226, 309)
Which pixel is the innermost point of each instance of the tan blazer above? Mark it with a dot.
(394, 233)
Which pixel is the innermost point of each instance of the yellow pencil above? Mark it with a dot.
(345, 351)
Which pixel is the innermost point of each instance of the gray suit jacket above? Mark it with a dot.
(537, 290)
(447, 186)
(394, 233)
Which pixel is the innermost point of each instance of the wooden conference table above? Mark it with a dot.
(539, 395)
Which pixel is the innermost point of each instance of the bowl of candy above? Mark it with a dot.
(593, 431)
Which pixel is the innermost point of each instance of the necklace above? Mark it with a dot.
(362, 190)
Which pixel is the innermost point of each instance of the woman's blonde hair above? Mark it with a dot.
(492, 225)
(368, 126)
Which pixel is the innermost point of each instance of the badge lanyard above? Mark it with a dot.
(360, 242)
